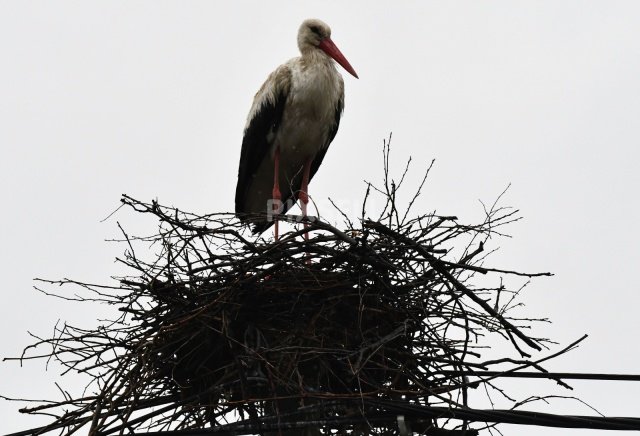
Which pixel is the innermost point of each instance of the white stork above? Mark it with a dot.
(293, 119)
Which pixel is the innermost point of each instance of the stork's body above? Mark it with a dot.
(293, 119)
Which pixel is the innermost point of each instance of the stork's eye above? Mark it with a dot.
(315, 29)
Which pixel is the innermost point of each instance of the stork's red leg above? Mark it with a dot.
(275, 193)
(304, 194)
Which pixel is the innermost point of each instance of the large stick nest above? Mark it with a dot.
(216, 324)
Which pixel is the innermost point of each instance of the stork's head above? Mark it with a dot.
(315, 34)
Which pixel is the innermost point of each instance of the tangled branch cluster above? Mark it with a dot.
(331, 331)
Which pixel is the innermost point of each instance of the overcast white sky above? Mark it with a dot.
(150, 98)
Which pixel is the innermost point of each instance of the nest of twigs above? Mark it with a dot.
(218, 330)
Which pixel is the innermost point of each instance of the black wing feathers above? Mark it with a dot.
(255, 144)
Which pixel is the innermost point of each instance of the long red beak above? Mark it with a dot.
(327, 46)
